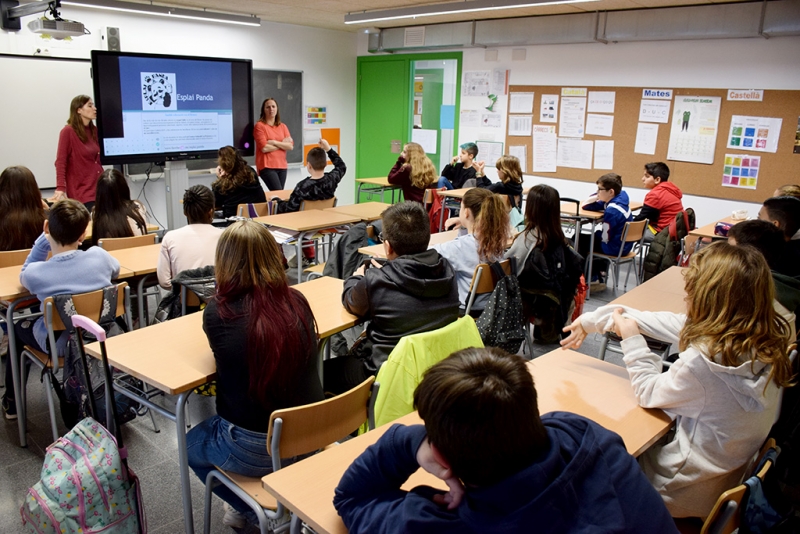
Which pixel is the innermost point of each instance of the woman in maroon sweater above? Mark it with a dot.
(78, 158)
(414, 172)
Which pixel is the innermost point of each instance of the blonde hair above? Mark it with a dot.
(492, 228)
(788, 190)
(510, 167)
(423, 173)
(730, 316)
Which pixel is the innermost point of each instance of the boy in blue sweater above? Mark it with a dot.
(615, 205)
(508, 470)
(68, 271)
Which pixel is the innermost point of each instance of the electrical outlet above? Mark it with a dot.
(41, 51)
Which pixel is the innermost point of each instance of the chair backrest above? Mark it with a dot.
(725, 517)
(87, 304)
(305, 429)
(566, 200)
(261, 209)
(118, 243)
(484, 281)
(427, 196)
(12, 258)
(634, 231)
(318, 204)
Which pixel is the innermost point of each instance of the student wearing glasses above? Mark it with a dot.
(614, 204)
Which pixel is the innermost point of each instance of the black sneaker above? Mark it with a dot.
(9, 409)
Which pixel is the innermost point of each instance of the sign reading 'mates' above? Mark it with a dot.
(657, 94)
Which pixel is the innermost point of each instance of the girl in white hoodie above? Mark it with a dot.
(723, 389)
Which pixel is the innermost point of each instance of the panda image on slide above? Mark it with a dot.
(158, 91)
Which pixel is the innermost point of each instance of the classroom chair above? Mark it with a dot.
(725, 517)
(571, 225)
(86, 304)
(251, 211)
(142, 289)
(613, 343)
(296, 432)
(633, 233)
(408, 361)
(484, 282)
(315, 271)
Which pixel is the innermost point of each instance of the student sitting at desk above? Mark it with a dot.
(614, 204)
(484, 218)
(510, 174)
(723, 389)
(68, 271)
(414, 172)
(414, 292)
(236, 183)
(191, 246)
(462, 168)
(508, 469)
(784, 212)
(114, 213)
(263, 337)
(662, 203)
(23, 212)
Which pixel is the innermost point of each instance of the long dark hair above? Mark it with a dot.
(22, 219)
(280, 326)
(76, 121)
(543, 213)
(113, 206)
(236, 171)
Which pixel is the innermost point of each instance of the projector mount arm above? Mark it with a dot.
(12, 12)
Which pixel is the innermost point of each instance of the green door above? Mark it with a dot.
(383, 116)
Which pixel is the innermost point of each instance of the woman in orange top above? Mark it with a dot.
(272, 143)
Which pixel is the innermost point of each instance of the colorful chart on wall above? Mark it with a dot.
(741, 170)
(754, 133)
(695, 121)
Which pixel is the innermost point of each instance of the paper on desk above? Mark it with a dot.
(282, 235)
(575, 153)
(646, 136)
(604, 154)
(520, 103)
(599, 124)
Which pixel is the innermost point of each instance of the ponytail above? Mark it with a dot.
(492, 227)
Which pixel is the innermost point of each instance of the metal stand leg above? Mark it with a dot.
(15, 363)
(589, 263)
(183, 461)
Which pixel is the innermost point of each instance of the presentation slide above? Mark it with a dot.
(170, 105)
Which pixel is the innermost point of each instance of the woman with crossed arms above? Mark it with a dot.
(272, 142)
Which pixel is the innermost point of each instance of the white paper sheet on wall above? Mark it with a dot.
(572, 123)
(548, 111)
(520, 103)
(601, 101)
(427, 139)
(491, 120)
(654, 111)
(599, 124)
(489, 152)
(604, 154)
(754, 133)
(545, 148)
(476, 83)
(575, 153)
(520, 124)
(646, 136)
(470, 118)
(520, 152)
(693, 135)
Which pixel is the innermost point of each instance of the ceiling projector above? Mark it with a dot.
(57, 29)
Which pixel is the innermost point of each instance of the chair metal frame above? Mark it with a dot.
(313, 437)
(41, 359)
(638, 227)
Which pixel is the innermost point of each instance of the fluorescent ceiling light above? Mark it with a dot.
(430, 10)
(165, 11)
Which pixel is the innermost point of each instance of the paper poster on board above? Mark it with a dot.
(491, 120)
(520, 103)
(470, 118)
(754, 133)
(545, 148)
(476, 83)
(646, 136)
(599, 124)
(427, 139)
(741, 171)
(604, 155)
(601, 101)
(490, 151)
(575, 153)
(654, 111)
(695, 121)
(520, 152)
(519, 124)
(548, 108)
(572, 122)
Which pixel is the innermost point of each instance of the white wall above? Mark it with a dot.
(326, 57)
(725, 63)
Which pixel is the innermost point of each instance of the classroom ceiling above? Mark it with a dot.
(330, 13)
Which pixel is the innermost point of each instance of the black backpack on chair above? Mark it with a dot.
(501, 324)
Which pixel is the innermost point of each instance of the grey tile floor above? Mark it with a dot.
(153, 456)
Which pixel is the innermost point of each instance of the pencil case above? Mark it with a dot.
(722, 228)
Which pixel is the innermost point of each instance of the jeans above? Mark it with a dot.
(444, 182)
(217, 442)
(274, 179)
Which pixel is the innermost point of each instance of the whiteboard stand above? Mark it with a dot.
(176, 178)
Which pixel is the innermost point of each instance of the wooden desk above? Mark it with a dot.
(379, 185)
(140, 260)
(436, 239)
(708, 230)
(175, 357)
(664, 292)
(368, 211)
(454, 193)
(306, 223)
(151, 228)
(565, 381)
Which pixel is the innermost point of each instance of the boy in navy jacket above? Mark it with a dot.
(508, 470)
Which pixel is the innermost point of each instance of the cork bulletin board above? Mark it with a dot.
(776, 169)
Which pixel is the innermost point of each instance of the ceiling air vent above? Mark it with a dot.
(414, 37)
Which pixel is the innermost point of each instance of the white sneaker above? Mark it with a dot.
(232, 518)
